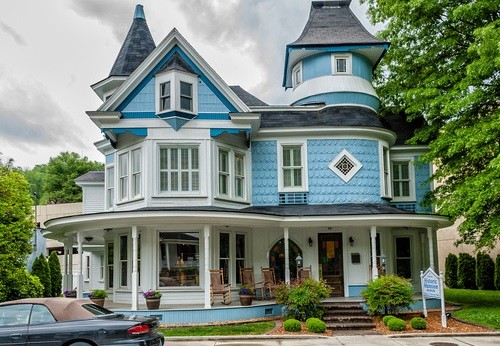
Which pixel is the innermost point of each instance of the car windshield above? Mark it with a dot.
(97, 310)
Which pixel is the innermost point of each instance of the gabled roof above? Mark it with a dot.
(249, 99)
(91, 177)
(176, 63)
(137, 46)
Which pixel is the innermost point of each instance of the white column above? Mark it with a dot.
(135, 267)
(287, 254)
(430, 240)
(69, 268)
(373, 236)
(206, 249)
(79, 239)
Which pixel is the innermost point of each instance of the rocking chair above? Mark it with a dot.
(247, 278)
(304, 273)
(218, 287)
(269, 281)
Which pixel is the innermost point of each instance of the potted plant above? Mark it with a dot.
(153, 298)
(246, 294)
(70, 293)
(98, 297)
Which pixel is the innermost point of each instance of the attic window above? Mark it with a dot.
(165, 96)
(297, 74)
(341, 64)
(345, 165)
(176, 91)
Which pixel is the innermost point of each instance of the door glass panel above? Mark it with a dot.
(331, 262)
(403, 257)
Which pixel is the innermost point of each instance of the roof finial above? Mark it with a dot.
(139, 12)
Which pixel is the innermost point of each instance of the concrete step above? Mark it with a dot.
(350, 326)
(347, 319)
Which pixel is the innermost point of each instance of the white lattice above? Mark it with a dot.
(345, 165)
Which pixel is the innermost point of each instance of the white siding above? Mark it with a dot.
(93, 199)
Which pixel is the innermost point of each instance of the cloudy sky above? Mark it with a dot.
(52, 51)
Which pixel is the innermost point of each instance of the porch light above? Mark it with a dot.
(310, 241)
(298, 261)
(89, 239)
(382, 259)
(351, 241)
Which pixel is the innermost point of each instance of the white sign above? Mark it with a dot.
(431, 284)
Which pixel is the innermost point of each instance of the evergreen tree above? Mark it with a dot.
(497, 272)
(466, 271)
(485, 269)
(55, 274)
(450, 276)
(41, 269)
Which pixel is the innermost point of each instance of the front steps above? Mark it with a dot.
(346, 316)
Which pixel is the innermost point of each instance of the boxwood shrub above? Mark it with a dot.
(315, 325)
(292, 325)
(388, 294)
(396, 324)
(386, 319)
(418, 323)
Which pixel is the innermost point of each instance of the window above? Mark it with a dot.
(179, 169)
(401, 180)
(292, 166)
(186, 96)
(165, 96)
(110, 189)
(41, 315)
(136, 172)
(123, 260)
(341, 64)
(14, 315)
(179, 258)
(123, 166)
(385, 189)
(101, 268)
(110, 262)
(239, 175)
(223, 172)
(231, 172)
(297, 74)
(403, 257)
(232, 250)
(224, 256)
(86, 275)
(240, 255)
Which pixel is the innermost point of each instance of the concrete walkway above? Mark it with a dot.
(483, 339)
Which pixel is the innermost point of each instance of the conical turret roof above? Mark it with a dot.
(137, 46)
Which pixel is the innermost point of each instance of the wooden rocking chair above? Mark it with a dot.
(218, 287)
(269, 281)
(304, 273)
(247, 278)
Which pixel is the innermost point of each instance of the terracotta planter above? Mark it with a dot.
(246, 300)
(153, 303)
(98, 301)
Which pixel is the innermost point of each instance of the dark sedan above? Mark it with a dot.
(76, 322)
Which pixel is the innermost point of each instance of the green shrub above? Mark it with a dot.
(396, 324)
(485, 271)
(418, 323)
(303, 300)
(466, 276)
(497, 272)
(388, 294)
(451, 270)
(315, 325)
(55, 274)
(19, 284)
(292, 325)
(386, 319)
(41, 269)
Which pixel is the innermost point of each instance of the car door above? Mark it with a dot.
(14, 324)
(43, 328)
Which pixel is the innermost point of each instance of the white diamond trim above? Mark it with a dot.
(345, 165)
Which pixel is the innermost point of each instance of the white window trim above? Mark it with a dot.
(110, 189)
(297, 81)
(348, 58)
(303, 154)
(232, 260)
(175, 78)
(134, 175)
(123, 176)
(201, 163)
(385, 161)
(231, 176)
(411, 176)
(130, 173)
(127, 261)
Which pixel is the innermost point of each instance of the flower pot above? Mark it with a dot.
(70, 295)
(98, 301)
(246, 300)
(153, 303)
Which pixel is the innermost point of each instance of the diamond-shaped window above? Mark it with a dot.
(345, 165)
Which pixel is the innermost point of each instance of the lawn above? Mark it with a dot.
(256, 328)
(480, 307)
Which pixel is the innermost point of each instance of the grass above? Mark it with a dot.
(254, 328)
(479, 307)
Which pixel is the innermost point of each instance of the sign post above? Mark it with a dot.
(432, 287)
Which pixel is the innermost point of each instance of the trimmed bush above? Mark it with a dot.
(386, 319)
(497, 272)
(451, 269)
(19, 284)
(418, 323)
(466, 271)
(55, 274)
(485, 271)
(396, 324)
(315, 325)
(292, 325)
(303, 300)
(41, 269)
(388, 294)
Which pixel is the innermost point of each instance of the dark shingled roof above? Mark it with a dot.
(91, 177)
(403, 128)
(333, 23)
(249, 99)
(176, 62)
(137, 46)
(329, 116)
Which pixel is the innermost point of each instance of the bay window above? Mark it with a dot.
(231, 173)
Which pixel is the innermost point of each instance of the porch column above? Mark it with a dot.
(373, 236)
(206, 245)
(79, 239)
(135, 267)
(287, 253)
(70, 263)
(430, 240)
(67, 279)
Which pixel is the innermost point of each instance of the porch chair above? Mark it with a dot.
(218, 287)
(269, 281)
(247, 278)
(304, 273)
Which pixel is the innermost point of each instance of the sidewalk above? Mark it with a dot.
(483, 339)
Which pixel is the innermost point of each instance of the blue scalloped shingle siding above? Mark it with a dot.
(264, 173)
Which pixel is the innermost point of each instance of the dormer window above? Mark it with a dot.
(297, 74)
(341, 64)
(164, 96)
(176, 91)
(186, 96)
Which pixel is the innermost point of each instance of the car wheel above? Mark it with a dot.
(80, 343)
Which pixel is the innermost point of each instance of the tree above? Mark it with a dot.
(61, 173)
(55, 274)
(16, 230)
(450, 276)
(485, 271)
(42, 271)
(36, 178)
(466, 277)
(444, 66)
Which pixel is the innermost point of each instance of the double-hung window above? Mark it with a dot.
(179, 169)
(223, 172)
(232, 255)
(136, 172)
(123, 169)
(231, 173)
(292, 166)
(110, 187)
(239, 175)
(186, 96)
(165, 102)
(401, 179)
(176, 91)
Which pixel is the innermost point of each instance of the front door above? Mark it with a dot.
(330, 262)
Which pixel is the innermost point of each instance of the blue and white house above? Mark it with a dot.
(202, 175)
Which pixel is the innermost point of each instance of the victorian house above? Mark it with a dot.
(202, 175)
